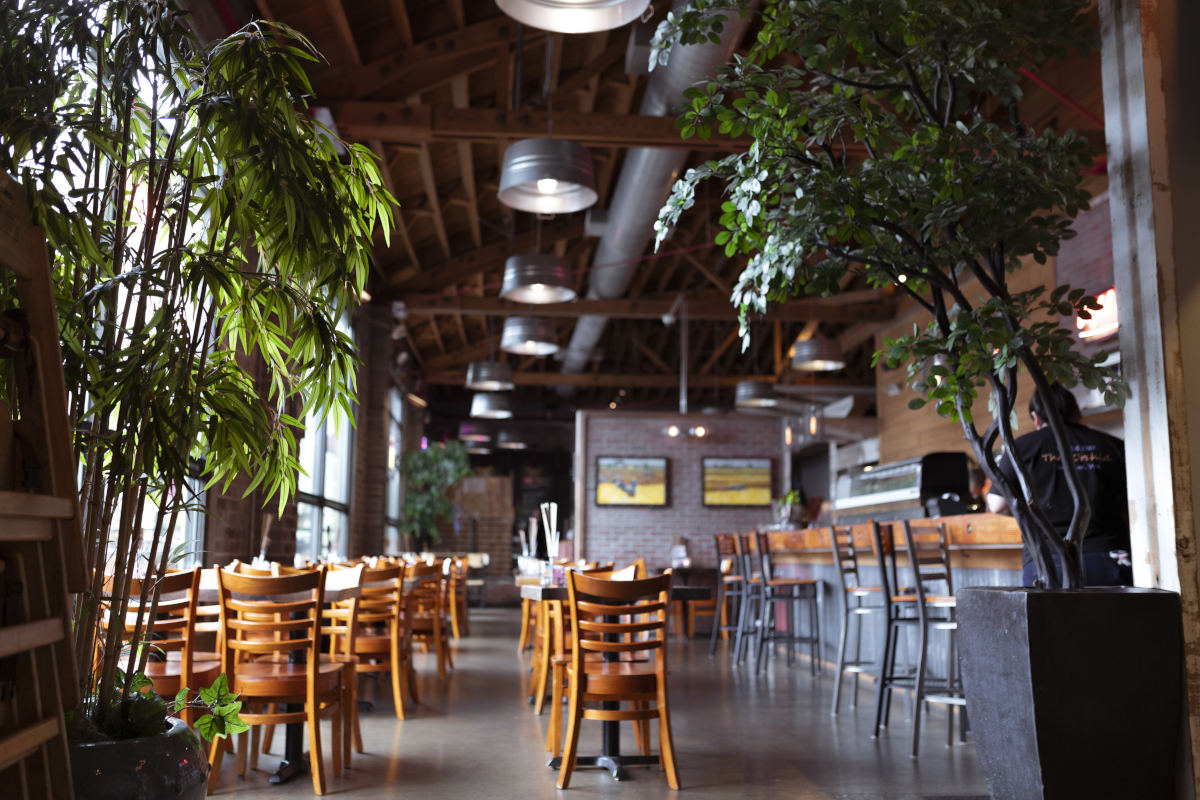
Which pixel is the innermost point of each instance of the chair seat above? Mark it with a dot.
(862, 591)
(733, 578)
(282, 678)
(166, 675)
(792, 582)
(942, 601)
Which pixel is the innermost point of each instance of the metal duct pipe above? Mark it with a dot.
(643, 185)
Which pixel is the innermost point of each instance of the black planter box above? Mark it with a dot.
(1073, 693)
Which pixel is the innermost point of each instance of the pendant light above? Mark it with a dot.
(489, 376)
(547, 176)
(817, 354)
(509, 440)
(537, 278)
(474, 433)
(491, 405)
(574, 16)
(528, 336)
(755, 394)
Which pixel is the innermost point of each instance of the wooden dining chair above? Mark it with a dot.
(174, 662)
(730, 591)
(264, 618)
(613, 619)
(456, 597)
(429, 624)
(383, 639)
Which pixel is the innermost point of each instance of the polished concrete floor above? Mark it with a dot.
(736, 735)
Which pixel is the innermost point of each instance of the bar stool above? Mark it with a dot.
(922, 608)
(930, 560)
(730, 592)
(853, 594)
(751, 597)
(791, 592)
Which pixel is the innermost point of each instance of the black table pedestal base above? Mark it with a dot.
(288, 770)
(614, 764)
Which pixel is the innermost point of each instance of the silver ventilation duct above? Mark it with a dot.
(642, 187)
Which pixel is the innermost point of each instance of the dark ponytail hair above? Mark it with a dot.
(1060, 398)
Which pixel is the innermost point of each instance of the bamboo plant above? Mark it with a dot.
(887, 142)
(206, 237)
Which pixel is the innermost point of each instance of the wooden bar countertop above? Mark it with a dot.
(980, 541)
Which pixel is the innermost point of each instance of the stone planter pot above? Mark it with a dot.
(170, 765)
(1073, 693)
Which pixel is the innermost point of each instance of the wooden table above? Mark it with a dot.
(340, 584)
(610, 743)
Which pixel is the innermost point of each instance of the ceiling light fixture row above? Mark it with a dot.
(528, 336)
(694, 431)
(817, 354)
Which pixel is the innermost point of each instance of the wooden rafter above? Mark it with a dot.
(713, 278)
(651, 356)
(711, 308)
(337, 13)
(445, 55)
(385, 169)
(580, 79)
(403, 24)
(425, 161)
(412, 122)
(451, 377)
(720, 351)
(461, 98)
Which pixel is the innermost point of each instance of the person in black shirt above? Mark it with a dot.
(1100, 464)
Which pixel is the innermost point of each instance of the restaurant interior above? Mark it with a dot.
(612, 415)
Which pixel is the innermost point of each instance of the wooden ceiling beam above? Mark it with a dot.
(415, 122)
(456, 377)
(651, 356)
(627, 308)
(713, 278)
(422, 61)
(480, 259)
(337, 13)
(579, 80)
(385, 169)
(460, 94)
(425, 160)
(721, 348)
(402, 22)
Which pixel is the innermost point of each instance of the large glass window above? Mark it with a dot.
(395, 449)
(323, 488)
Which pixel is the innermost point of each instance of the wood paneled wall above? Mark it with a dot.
(905, 433)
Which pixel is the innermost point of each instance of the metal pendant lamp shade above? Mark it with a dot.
(474, 433)
(755, 394)
(547, 176)
(489, 376)
(537, 278)
(817, 355)
(528, 336)
(574, 16)
(510, 440)
(491, 405)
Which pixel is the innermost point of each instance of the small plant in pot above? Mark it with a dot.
(888, 147)
(206, 238)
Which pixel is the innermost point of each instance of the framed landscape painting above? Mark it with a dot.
(737, 481)
(631, 481)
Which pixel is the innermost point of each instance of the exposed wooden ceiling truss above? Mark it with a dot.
(439, 89)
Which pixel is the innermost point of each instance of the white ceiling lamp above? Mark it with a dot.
(755, 394)
(817, 354)
(509, 440)
(528, 336)
(547, 176)
(574, 16)
(537, 278)
(473, 433)
(489, 376)
(491, 405)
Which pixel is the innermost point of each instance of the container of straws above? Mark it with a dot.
(550, 526)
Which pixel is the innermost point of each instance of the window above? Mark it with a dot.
(323, 488)
(394, 489)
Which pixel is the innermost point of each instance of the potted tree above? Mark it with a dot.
(428, 474)
(887, 142)
(206, 236)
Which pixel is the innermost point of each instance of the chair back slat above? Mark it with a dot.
(619, 616)
(845, 557)
(267, 611)
(928, 555)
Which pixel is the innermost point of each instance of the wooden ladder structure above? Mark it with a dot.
(41, 557)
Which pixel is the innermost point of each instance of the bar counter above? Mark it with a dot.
(976, 541)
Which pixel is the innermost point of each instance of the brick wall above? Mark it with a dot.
(1086, 261)
(369, 481)
(620, 534)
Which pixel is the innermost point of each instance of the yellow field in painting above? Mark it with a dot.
(652, 494)
(731, 486)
